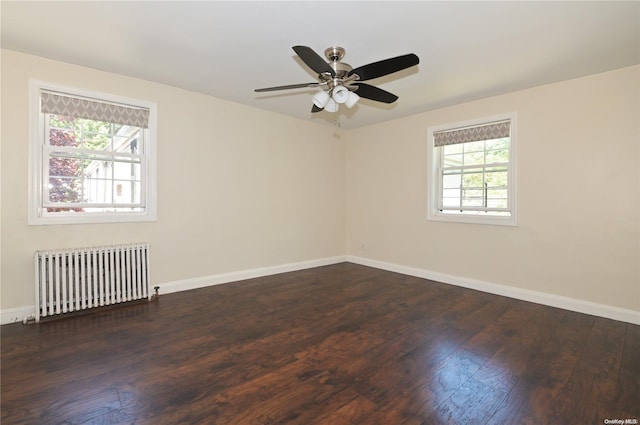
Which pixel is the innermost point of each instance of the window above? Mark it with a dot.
(472, 171)
(92, 157)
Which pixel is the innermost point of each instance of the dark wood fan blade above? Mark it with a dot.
(374, 93)
(385, 67)
(290, 86)
(313, 60)
(315, 109)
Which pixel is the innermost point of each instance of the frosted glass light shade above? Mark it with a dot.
(352, 100)
(320, 99)
(340, 94)
(331, 106)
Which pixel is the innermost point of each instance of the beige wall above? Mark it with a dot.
(578, 194)
(241, 188)
(238, 188)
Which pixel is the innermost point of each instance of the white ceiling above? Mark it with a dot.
(467, 50)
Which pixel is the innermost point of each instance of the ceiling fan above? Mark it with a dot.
(340, 83)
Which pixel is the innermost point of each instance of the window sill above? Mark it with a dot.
(96, 218)
(473, 219)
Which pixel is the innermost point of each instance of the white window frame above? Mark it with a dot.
(434, 173)
(37, 214)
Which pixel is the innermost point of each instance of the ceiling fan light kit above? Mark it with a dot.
(331, 106)
(339, 81)
(340, 94)
(352, 100)
(320, 99)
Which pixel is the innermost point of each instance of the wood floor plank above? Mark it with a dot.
(555, 364)
(341, 344)
(594, 392)
(628, 383)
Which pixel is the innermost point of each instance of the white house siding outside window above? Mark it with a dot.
(92, 157)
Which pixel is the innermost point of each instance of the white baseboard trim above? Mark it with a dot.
(218, 279)
(566, 303)
(13, 315)
(17, 314)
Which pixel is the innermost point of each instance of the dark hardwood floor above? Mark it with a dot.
(342, 344)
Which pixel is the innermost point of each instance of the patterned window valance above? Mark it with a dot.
(79, 107)
(490, 131)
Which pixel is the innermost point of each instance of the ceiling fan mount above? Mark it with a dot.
(335, 55)
(340, 69)
(339, 82)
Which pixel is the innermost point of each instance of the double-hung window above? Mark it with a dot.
(472, 171)
(92, 157)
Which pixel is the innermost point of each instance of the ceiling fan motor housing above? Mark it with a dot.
(340, 69)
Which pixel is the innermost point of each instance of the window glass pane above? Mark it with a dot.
(453, 160)
(78, 175)
(138, 142)
(123, 144)
(473, 193)
(99, 170)
(473, 197)
(65, 210)
(472, 202)
(64, 137)
(497, 143)
(98, 191)
(498, 178)
(65, 189)
(125, 209)
(138, 137)
(497, 203)
(474, 146)
(61, 122)
(452, 149)
(497, 193)
(65, 166)
(451, 202)
(127, 192)
(451, 193)
(126, 170)
(129, 140)
(474, 158)
(472, 178)
(97, 142)
(497, 156)
(97, 127)
(451, 180)
(96, 134)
